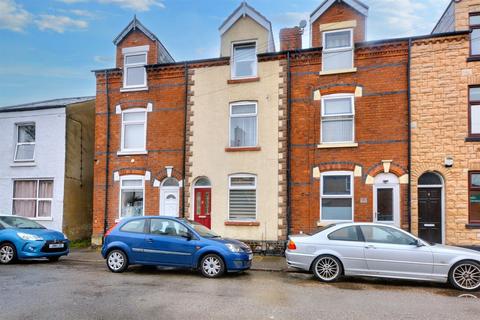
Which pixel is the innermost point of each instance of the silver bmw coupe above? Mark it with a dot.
(376, 250)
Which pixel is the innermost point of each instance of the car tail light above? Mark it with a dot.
(291, 245)
(110, 230)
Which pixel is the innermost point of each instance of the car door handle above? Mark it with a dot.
(370, 247)
(150, 240)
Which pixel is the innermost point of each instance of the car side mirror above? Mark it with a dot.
(188, 236)
(419, 243)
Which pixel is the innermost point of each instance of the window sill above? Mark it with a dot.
(473, 58)
(23, 164)
(127, 89)
(242, 149)
(337, 145)
(472, 139)
(339, 71)
(132, 153)
(243, 80)
(473, 226)
(242, 223)
(323, 223)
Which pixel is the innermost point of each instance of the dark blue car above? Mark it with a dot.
(174, 242)
(22, 238)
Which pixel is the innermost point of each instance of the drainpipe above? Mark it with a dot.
(289, 105)
(107, 161)
(409, 192)
(185, 137)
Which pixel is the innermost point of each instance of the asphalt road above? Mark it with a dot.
(73, 290)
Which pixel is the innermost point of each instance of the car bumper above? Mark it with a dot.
(41, 249)
(299, 260)
(239, 261)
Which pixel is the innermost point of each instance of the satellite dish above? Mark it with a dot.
(303, 24)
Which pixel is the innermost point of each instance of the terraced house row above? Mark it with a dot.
(272, 139)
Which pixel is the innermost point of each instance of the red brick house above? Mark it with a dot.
(348, 123)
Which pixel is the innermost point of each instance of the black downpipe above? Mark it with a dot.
(107, 160)
(409, 191)
(289, 106)
(185, 137)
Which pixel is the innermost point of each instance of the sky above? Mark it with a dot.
(49, 47)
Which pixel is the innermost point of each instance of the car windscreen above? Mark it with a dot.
(20, 223)
(201, 229)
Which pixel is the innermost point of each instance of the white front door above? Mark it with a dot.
(169, 204)
(386, 200)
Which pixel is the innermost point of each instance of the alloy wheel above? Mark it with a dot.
(467, 276)
(212, 266)
(6, 254)
(327, 269)
(116, 261)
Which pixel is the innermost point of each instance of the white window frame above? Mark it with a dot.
(37, 199)
(350, 196)
(17, 144)
(230, 187)
(124, 123)
(341, 49)
(325, 116)
(130, 177)
(232, 60)
(255, 114)
(134, 65)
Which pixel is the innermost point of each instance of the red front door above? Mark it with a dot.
(203, 205)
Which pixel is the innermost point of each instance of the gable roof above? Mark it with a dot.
(47, 104)
(355, 4)
(244, 9)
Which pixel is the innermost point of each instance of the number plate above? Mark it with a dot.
(56, 245)
(250, 256)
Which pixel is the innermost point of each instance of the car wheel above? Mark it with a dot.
(465, 276)
(117, 261)
(327, 268)
(53, 259)
(8, 254)
(212, 266)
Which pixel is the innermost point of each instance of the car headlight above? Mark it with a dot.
(233, 247)
(30, 237)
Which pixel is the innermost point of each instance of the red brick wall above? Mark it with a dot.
(134, 39)
(339, 12)
(381, 128)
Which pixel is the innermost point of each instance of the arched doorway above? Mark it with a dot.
(169, 197)
(430, 207)
(386, 199)
(202, 206)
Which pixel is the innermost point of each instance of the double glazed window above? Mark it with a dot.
(337, 50)
(244, 64)
(134, 130)
(25, 147)
(132, 189)
(33, 198)
(242, 197)
(134, 74)
(474, 196)
(338, 116)
(474, 111)
(243, 125)
(337, 196)
(475, 34)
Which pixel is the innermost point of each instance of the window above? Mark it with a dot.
(345, 234)
(163, 227)
(134, 73)
(136, 226)
(242, 197)
(244, 60)
(131, 196)
(377, 234)
(474, 111)
(33, 198)
(337, 50)
(134, 130)
(243, 125)
(475, 34)
(338, 119)
(474, 196)
(25, 148)
(337, 196)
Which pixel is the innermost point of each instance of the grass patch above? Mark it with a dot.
(80, 244)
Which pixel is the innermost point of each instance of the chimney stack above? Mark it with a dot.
(291, 38)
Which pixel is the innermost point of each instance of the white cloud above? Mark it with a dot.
(13, 16)
(59, 23)
(72, 1)
(102, 59)
(137, 5)
(82, 13)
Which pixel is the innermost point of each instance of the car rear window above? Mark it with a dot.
(137, 226)
(345, 234)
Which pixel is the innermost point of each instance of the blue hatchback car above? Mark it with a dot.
(22, 238)
(173, 242)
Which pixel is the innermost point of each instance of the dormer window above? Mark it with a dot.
(337, 50)
(244, 60)
(134, 73)
(475, 34)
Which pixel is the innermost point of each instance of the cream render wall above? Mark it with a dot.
(244, 29)
(210, 136)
